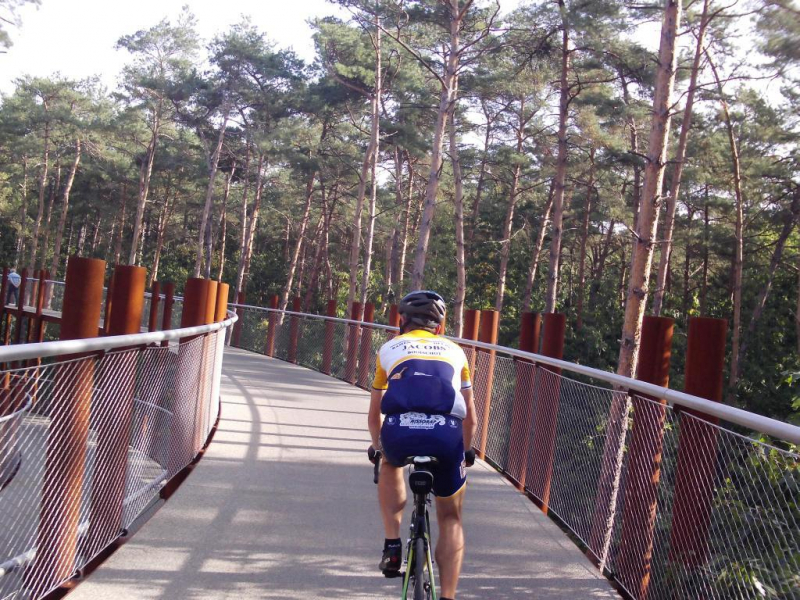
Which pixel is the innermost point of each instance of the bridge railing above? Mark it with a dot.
(91, 431)
(672, 495)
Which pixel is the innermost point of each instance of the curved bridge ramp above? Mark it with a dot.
(283, 506)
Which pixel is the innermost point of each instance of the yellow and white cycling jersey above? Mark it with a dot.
(423, 372)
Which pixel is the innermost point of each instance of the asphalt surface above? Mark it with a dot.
(283, 506)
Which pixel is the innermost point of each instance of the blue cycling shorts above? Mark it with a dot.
(421, 434)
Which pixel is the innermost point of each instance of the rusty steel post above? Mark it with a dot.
(394, 319)
(198, 296)
(236, 338)
(327, 347)
(490, 321)
(113, 409)
(522, 408)
(350, 370)
(169, 300)
(221, 310)
(36, 325)
(5, 317)
(21, 306)
(545, 418)
(644, 459)
(69, 430)
(294, 330)
(272, 321)
(365, 348)
(155, 300)
(697, 443)
(471, 331)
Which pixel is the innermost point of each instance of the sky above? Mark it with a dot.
(77, 37)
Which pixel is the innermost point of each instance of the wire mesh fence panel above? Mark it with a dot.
(85, 446)
(482, 386)
(253, 330)
(498, 435)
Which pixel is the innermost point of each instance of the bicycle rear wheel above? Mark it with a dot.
(421, 581)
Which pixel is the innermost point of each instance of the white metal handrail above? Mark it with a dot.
(65, 347)
(675, 398)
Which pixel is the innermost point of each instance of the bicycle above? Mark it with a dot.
(419, 576)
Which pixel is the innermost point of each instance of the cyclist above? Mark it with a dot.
(421, 404)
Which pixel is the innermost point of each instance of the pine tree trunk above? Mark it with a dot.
(601, 263)
(584, 238)
(23, 214)
(299, 243)
(145, 172)
(738, 238)
(249, 230)
(537, 250)
(48, 220)
(121, 232)
(375, 142)
(651, 198)
(64, 208)
(687, 260)
(95, 233)
(42, 188)
(561, 169)
(223, 224)
(706, 236)
(680, 158)
(213, 167)
(163, 218)
(461, 267)
(394, 237)
(401, 257)
(476, 203)
(448, 95)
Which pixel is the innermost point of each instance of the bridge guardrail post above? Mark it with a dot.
(350, 371)
(471, 331)
(394, 319)
(155, 300)
(21, 306)
(67, 442)
(169, 301)
(327, 348)
(365, 348)
(294, 330)
(236, 338)
(490, 320)
(5, 317)
(524, 394)
(545, 418)
(113, 408)
(644, 464)
(697, 443)
(272, 320)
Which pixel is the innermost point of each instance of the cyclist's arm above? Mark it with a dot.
(470, 424)
(374, 418)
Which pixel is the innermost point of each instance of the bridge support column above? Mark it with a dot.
(697, 443)
(350, 371)
(62, 487)
(272, 320)
(490, 319)
(545, 420)
(394, 319)
(169, 301)
(524, 393)
(294, 330)
(327, 347)
(155, 300)
(199, 304)
(113, 407)
(644, 464)
(23, 286)
(236, 337)
(365, 349)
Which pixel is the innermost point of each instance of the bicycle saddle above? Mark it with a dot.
(422, 461)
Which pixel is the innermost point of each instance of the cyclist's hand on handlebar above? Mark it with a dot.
(373, 455)
(469, 457)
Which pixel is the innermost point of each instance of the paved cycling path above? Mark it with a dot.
(283, 506)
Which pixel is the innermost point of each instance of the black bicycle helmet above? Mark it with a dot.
(423, 307)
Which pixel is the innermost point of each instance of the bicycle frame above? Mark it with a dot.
(419, 530)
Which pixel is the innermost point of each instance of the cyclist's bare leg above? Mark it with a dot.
(450, 547)
(392, 498)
